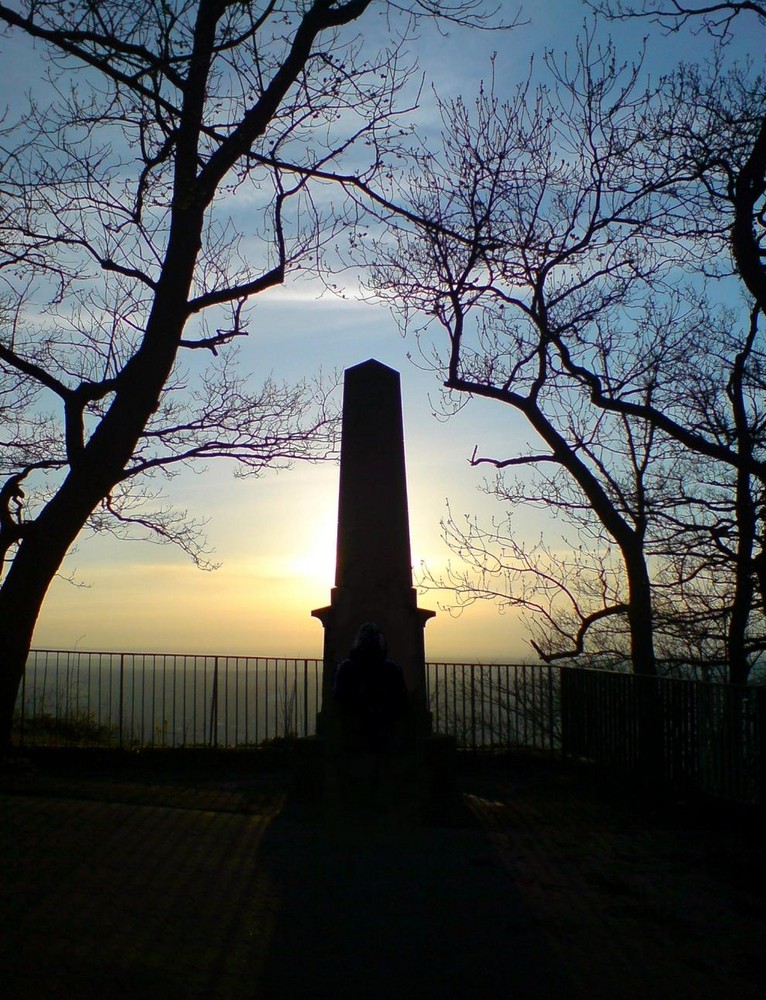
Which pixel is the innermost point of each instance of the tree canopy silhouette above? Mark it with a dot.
(594, 232)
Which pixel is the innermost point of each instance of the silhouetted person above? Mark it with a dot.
(371, 695)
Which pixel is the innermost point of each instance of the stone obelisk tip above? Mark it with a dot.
(373, 523)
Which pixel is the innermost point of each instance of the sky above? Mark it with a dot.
(275, 536)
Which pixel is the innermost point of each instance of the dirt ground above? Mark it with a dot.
(208, 877)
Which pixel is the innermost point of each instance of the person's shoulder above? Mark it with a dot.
(344, 668)
(343, 679)
(394, 671)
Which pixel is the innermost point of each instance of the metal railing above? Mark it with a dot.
(164, 699)
(685, 733)
(494, 706)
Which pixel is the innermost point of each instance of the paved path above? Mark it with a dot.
(217, 885)
(427, 914)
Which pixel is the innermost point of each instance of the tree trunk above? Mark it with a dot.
(747, 517)
(640, 613)
(13, 657)
(744, 589)
(21, 598)
(97, 468)
(33, 568)
(629, 539)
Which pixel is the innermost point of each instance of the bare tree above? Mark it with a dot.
(537, 260)
(123, 248)
(731, 179)
(582, 207)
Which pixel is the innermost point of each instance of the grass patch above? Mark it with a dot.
(81, 729)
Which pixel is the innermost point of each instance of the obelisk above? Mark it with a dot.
(373, 570)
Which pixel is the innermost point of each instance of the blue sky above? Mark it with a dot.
(275, 536)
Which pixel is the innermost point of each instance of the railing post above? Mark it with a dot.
(121, 704)
(22, 713)
(266, 697)
(551, 708)
(566, 677)
(213, 740)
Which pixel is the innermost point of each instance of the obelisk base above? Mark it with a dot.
(402, 623)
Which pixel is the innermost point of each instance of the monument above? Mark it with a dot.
(373, 570)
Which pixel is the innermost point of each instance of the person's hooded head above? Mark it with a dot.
(370, 643)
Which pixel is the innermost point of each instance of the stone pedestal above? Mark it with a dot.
(402, 624)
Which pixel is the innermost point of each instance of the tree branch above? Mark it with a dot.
(509, 462)
(586, 623)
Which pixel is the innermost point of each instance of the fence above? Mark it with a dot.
(496, 706)
(686, 733)
(690, 735)
(154, 699)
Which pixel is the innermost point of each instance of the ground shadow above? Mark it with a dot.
(379, 909)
